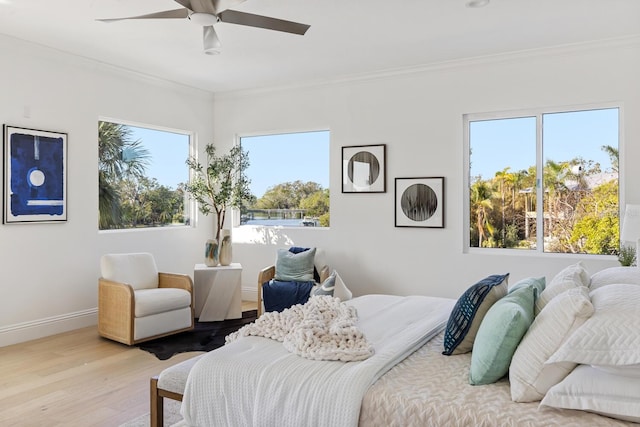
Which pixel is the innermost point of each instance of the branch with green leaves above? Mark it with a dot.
(220, 183)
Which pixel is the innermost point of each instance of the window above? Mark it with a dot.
(544, 181)
(141, 178)
(289, 176)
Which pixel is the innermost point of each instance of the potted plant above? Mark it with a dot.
(627, 256)
(216, 185)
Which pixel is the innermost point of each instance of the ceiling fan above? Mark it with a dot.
(209, 12)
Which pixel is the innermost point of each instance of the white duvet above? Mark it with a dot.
(255, 381)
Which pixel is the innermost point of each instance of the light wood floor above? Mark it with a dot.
(77, 379)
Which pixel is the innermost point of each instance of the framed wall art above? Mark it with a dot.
(364, 169)
(35, 176)
(420, 202)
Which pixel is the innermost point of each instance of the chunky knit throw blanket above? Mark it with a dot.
(322, 329)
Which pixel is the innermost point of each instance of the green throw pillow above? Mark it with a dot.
(499, 334)
(292, 267)
(538, 283)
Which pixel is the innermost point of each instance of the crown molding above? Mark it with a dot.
(559, 50)
(91, 64)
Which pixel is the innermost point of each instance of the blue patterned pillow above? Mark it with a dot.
(468, 312)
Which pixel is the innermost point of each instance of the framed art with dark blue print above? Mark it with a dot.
(35, 176)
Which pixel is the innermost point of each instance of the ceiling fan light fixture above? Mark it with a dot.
(210, 41)
(203, 19)
(477, 3)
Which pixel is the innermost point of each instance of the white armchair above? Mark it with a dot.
(137, 303)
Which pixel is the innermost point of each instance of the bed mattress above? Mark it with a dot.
(430, 389)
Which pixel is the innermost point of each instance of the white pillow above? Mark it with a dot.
(574, 272)
(624, 370)
(612, 335)
(529, 377)
(570, 277)
(612, 275)
(341, 291)
(593, 390)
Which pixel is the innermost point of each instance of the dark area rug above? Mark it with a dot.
(206, 336)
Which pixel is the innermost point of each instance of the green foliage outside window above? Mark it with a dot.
(544, 180)
(309, 197)
(578, 218)
(127, 198)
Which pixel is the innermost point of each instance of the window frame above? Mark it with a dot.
(538, 114)
(190, 209)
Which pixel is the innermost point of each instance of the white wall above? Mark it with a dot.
(49, 272)
(419, 116)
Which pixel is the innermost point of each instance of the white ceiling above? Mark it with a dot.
(346, 38)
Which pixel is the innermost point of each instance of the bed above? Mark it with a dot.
(418, 385)
(430, 389)
(260, 390)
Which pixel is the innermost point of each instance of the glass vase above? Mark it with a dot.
(225, 247)
(211, 253)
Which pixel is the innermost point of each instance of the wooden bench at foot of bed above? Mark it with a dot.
(170, 383)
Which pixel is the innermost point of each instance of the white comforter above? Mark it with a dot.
(255, 381)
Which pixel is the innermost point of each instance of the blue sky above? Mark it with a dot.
(497, 144)
(287, 157)
(166, 148)
(273, 158)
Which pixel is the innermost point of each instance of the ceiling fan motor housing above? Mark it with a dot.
(203, 19)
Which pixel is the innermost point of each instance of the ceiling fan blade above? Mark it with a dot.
(178, 13)
(212, 7)
(259, 21)
(200, 6)
(222, 5)
(185, 3)
(210, 40)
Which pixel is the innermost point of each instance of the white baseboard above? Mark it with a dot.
(249, 294)
(34, 329)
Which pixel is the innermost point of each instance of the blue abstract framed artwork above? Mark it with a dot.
(35, 180)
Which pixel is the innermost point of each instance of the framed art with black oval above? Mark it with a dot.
(364, 169)
(419, 202)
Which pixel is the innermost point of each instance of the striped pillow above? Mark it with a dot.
(468, 312)
(326, 288)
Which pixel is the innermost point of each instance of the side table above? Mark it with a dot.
(218, 293)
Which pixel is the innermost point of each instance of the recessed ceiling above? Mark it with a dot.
(346, 38)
